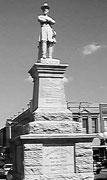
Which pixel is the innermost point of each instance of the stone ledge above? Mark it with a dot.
(58, 136)
(47, 70)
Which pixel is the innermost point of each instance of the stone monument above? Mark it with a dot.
(52, 146)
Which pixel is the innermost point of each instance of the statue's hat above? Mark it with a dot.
(45, 5)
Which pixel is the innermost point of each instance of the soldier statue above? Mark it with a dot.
(47, 34)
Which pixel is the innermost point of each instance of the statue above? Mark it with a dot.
(47, 34)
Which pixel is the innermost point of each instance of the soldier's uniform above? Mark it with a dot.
(47, 34)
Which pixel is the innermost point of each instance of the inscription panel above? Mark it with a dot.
(58, 159)
(51, 92)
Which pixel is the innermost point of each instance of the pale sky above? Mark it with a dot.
(81, 27)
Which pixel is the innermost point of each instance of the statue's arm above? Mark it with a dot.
(50, 20)
(41, 19)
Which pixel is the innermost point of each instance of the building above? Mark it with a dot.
(92, 115)
(94, 120)
(88, 114)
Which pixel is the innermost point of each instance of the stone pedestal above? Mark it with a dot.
(49, 107)
(48, 92)
(53, 147)
(54, 157)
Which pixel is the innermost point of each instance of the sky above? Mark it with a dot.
(81, 27)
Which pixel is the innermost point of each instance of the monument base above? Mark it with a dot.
(55, 157)
(52, 146)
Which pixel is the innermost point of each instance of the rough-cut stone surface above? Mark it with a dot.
(36, 160)
(34, 177)
(84, 157)
(33, 161)
(84, 160)
(83, 152)
(73, 176)
(33, 147)
(52, 123)
(84, 145)
(33, 170)
(76, 127)
(84, 167)
(44, 127)
(87, 176)
(52, 116)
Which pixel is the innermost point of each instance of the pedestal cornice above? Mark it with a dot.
(47, 70)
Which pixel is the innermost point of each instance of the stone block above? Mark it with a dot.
(33, 154)
(84, 157)
(45, 127)
(73, 176)
(84, 160)
(51, 122)
(52, 116)
(83, 152)
(32, 177)
(32, 158)
(87, 176)
(77, 127)
(34, 161)
(33, 170)
(84, 168)
(33, 147)
(84, 145)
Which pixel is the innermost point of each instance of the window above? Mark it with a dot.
(85, 124)
(94, 124)
(76, 118)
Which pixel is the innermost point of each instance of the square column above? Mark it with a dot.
(48, 91)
